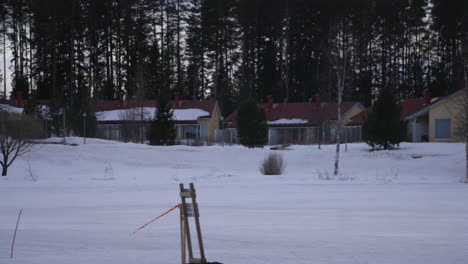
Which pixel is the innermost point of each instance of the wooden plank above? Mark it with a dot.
(189, 210)
(185, 194)
(197, 223)
(186, 224)
(182, 238)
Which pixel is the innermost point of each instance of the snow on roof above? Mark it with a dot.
(189, 114)
(42, 110)
(11, 109)
(126, 114)
(284, 121)
(148, 114)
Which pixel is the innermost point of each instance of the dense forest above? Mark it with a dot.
(69, 51)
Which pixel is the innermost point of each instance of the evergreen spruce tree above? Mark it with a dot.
(384, 128)
(252, 127)
(162, 130)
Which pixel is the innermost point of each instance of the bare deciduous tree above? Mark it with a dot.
(129, 129)
(16, 132)
(340, 56)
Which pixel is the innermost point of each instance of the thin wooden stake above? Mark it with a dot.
(182, 237)
(14, 236)
(186, 223)
(197, 223)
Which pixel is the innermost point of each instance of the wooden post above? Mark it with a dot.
(186, 224)
(197, 222)
(190, 210)
(182, 236)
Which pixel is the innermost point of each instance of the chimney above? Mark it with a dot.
(121, 95)
(177, 100)
(270, 103)
(318, 100)
(427, 97)
(19, 98)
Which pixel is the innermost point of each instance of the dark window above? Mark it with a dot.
(442, 128)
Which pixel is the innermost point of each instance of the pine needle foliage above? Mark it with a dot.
(162, 131)
(252, 127)
(384, 128)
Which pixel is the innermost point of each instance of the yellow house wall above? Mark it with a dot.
(213, 123)
(453, 109)
(353, 111)
(347, 117)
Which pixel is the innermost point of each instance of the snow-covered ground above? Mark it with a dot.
(402, 206)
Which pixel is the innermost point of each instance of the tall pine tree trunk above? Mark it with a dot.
(465, 67)
(465, 103)
(178, 56)
(285, 54)
(4, 60)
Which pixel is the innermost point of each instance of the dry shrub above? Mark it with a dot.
(16, 134)
(273, 164)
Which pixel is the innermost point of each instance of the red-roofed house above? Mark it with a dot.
(434, 119)
(128, 121)
(306, 123)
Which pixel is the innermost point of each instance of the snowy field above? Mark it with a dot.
(389, 207)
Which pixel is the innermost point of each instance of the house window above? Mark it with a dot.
(442, 128)
(203, 131)
(187, 131)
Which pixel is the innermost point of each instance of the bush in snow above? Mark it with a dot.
(384, 128)
(252, 127)
(109, 173)
(324, 175)
(30, 172)
(273, 165)
(16, 132)
(129, 132)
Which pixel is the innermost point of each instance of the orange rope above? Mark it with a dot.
(168, 211)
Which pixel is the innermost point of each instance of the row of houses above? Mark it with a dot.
(313, 122)
(431, 119)
(195, 120)
(307, 123)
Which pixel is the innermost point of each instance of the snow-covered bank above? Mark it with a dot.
(404, 206)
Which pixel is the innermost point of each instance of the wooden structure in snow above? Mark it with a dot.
(188, 210)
